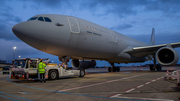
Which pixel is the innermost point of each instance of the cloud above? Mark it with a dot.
(124, 8)
(6, 32)
(7, 14)
(123, 26)
(119, 7)
(7, 20)
(166, 6)
(161, 38)
(24, 50)
(8, 36)
(52, 4)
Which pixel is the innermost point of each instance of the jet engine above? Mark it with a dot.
(83, 64)
(167, 56)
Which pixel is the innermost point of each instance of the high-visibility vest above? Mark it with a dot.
(41, 67)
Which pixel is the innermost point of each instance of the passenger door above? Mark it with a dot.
(74, 26)
(74, 32)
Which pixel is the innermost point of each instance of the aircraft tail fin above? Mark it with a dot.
(152, 42)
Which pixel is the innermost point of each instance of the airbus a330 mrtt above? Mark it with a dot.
(84, 42)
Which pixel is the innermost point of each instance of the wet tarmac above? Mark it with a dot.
(131, 84)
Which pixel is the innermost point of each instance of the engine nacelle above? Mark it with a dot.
(167, 56)
(80, 64)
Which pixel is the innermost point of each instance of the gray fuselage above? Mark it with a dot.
(77, 38)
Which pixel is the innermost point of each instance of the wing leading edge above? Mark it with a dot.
(148, 50)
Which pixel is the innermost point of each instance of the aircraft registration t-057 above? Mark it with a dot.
(84, 42)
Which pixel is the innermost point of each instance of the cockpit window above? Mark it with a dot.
(40, 19)
(47, 19)
(33, 18)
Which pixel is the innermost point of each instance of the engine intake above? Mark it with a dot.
(80, 64)
(167, 56)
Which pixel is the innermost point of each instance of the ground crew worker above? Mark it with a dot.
(41, 69)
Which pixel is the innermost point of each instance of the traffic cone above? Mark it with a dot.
(167, 72)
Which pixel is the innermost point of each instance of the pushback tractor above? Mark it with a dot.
(27, 69)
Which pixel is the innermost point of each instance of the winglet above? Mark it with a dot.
(152, 37)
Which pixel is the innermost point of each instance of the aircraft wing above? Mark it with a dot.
(148, 50)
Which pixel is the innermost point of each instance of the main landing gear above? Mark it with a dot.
(113, 68)
(158, 67)
(65, 60)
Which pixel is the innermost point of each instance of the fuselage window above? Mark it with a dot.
(33, 18)
(40, 19)
(47, 19)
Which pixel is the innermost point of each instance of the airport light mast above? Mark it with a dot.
(14, 52)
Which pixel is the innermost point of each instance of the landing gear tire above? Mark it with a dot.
(53, 75)
(178, 85)
(158, 67)
(114, 69)
(109, 69)
(118, 69)
(165, 78)
(82, 73)
(152, 67)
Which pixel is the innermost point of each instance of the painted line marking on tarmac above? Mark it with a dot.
(148, 99)
(140, 86)
(24, 93)
(8, 98)
(130, 90)
(15, 96)
(153, 80)
(147, 83)
(73, 93)
(101, 83)
(116, 95)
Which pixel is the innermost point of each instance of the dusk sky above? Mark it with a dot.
(133, 18)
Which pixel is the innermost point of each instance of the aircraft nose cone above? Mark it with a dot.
(17, 29)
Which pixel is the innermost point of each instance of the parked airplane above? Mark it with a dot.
(84, 42)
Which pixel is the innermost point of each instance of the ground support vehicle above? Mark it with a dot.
(173, 75)
(27, 69)
(6, 69)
